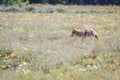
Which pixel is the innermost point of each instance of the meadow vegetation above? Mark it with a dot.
(37, 46)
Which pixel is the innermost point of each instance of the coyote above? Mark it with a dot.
(84, 32)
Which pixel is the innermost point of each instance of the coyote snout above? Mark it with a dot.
(84, 32)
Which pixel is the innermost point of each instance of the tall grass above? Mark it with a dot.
(37, 46)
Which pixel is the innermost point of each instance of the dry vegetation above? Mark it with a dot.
(37, 46)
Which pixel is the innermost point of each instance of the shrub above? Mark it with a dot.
(14, 2)
(12, 9)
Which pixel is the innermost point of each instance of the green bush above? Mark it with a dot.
(11, 9)
(14, 2)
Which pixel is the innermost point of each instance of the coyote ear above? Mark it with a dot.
(73, 29)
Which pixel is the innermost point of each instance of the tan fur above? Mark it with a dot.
(84, 32)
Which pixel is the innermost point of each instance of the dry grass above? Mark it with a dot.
(38, 45)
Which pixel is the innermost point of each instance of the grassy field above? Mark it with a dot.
(37, 46)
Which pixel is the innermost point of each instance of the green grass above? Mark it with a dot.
(37, 46)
